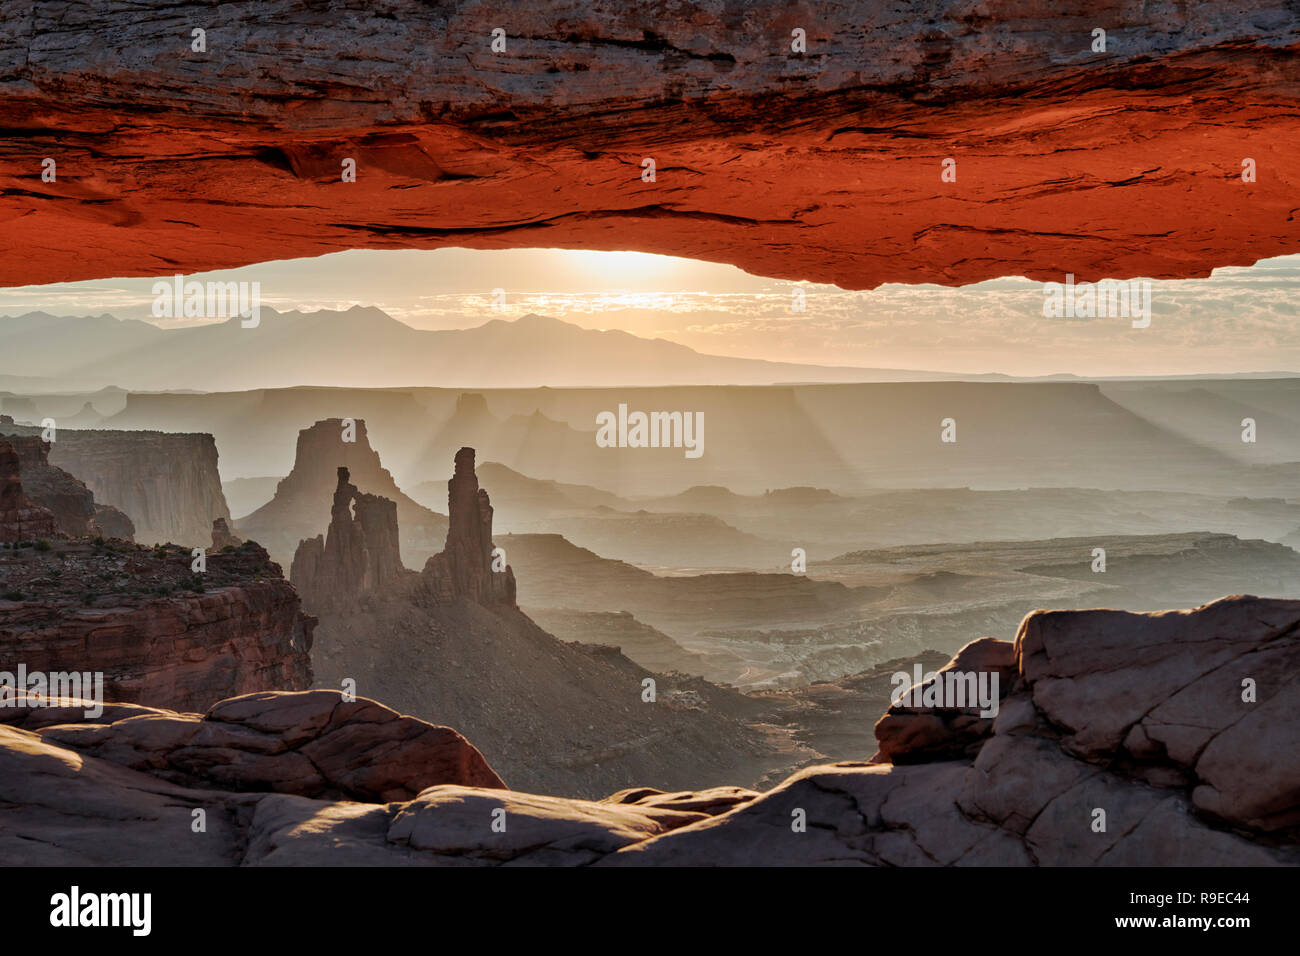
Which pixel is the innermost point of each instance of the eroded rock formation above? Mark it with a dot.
(311, 743)
(915, 731)
(20, 518)
(76, 513)
(222, 536)
(303, 497)
(160, 634)
(359, 554)
(1140, 716)
(823, 164)
(464, 568)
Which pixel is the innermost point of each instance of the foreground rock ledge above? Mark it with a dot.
(823, 166)
(1138, 715)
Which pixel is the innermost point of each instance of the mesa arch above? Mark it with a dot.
(820, 166)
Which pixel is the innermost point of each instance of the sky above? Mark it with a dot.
(1241, 319)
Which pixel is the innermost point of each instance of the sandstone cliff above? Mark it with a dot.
(166, 483)
(303, 498)
(1139, 716)
(20, 518)
(76, 513)
(160, 634)
(767, 156)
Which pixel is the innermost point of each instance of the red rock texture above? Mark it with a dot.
(463, 569)
(241, 630)
(911, 732)
(312, 743)
(20, 518)
(823, 165)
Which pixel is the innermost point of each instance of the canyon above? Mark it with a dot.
(559, 717)
(258, 699)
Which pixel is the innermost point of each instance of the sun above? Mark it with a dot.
(626, 267)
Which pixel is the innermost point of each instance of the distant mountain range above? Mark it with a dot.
(365, 347)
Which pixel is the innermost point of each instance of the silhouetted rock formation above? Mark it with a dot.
(160, 634)
(222, 536)
(464, 567)
(302, 497)
(359, 554)
(75, 510)
(20, 518)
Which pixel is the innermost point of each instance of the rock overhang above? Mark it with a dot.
(822, 166)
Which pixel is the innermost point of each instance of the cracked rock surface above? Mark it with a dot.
(1143, 717)
(821, 165)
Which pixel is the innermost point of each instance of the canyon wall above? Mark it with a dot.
(160, 634)
(74, 507)
(167, 483)
(21, 519)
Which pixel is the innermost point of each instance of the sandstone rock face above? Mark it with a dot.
(464, 567)
(913, 732)
(73, 504)
(20, 518)
(1186, 769)
(1140, 716)
(167, 483)
(360, 553)
(303, 499)
(158, 635)
(222, 536)
(767, 158)
(312, 743)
